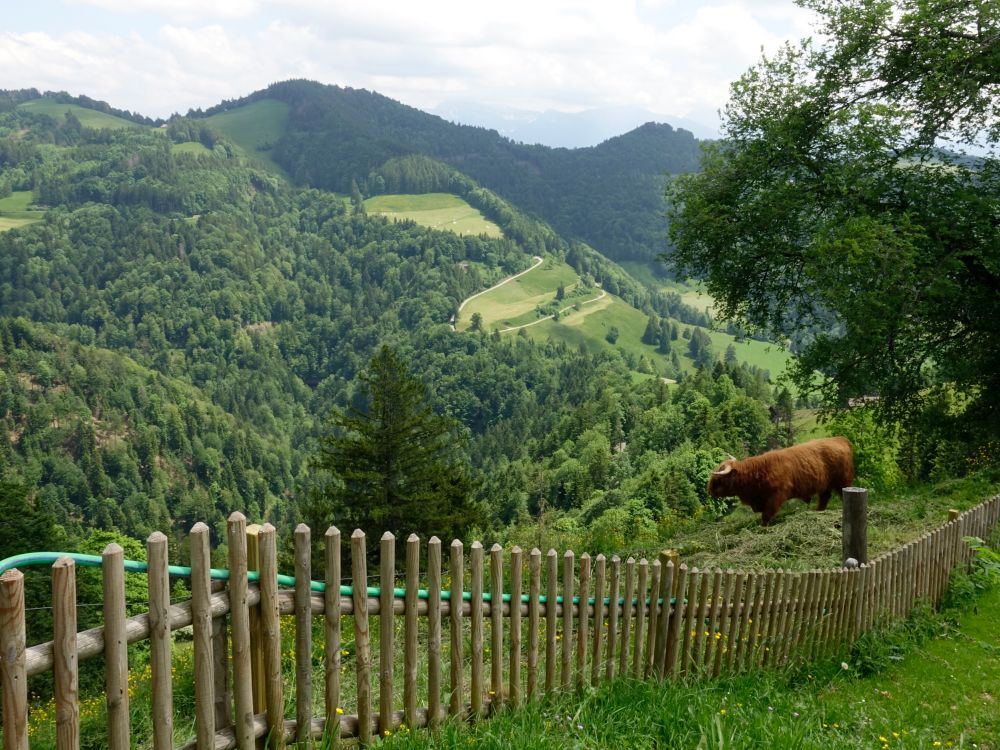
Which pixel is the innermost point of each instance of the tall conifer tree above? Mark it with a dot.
(396, 464)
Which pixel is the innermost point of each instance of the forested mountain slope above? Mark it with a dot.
(178, 324)
(610, 195)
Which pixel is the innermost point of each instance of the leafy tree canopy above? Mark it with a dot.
(853, 204)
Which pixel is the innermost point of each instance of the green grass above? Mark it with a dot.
(761, 354)
(8, 223)
(515, 300)
(590, 325)
(514, 305)
(800, 538)
(434, 210)
(15, 210)
(89, 118)
(17, 202)
(931, 692)
(191, 147)
(254, 127)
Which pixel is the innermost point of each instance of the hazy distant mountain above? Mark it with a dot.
(563, 129)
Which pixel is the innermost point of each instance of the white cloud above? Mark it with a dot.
(178, 10)
(532, 54)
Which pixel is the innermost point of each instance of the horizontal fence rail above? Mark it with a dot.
(445, 640)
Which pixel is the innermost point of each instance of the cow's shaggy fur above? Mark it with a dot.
(765, 482)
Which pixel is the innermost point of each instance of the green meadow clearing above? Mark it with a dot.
(89, 118)
(514, 304)
(254, 128)
(190, 147)
(15, 211)
(434, 210)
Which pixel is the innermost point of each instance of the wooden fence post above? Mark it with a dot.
(583, 620)
(116, 647)
(158, 582)
(476, 689)
(220, 667)
(359, 575)
(551, 611)
(496, 626)
(855, 524)
(331, 645)
(271, 632)
(303, 633)
(567, 632)
(257, 680)
(201, 616)
(386, 631)
(64, 654)
(455, 630)
(600, 573)
(411, 631)
(514, 665)
(614, 602)
(240, 619)
(534, 617)
(13, 672)
(627, 607)
(640, 617)
(433, 632)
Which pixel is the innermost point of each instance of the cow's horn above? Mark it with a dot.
(732, 457)
(729, 468)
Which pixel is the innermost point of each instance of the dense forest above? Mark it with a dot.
(177, 331)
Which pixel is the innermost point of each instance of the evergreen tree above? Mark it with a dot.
(396, 465)
(652, 331)
(664, 336)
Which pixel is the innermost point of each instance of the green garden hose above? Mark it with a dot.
(136, 566)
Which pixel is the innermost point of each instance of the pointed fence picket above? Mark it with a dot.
(659, 620)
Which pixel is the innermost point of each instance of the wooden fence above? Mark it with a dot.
(561, 622)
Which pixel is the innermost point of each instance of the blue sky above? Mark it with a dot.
(163, 56)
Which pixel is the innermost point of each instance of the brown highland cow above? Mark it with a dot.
(765, 482)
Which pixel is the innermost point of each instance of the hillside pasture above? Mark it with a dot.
(762, 354)
(589, 326)
(190, 147)
(15, 210)
(514, 303)
(254, 128)
(441, 211)
(89, 118)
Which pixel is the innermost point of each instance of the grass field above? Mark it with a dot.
(15, 212)
(434, 210)
(929, 683)
(89, 118)
(253, 127)
(191, 147)
(514, 304)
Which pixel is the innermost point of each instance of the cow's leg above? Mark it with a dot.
(824, 498)
(770, 511)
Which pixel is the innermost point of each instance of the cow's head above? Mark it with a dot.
(723, 480)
